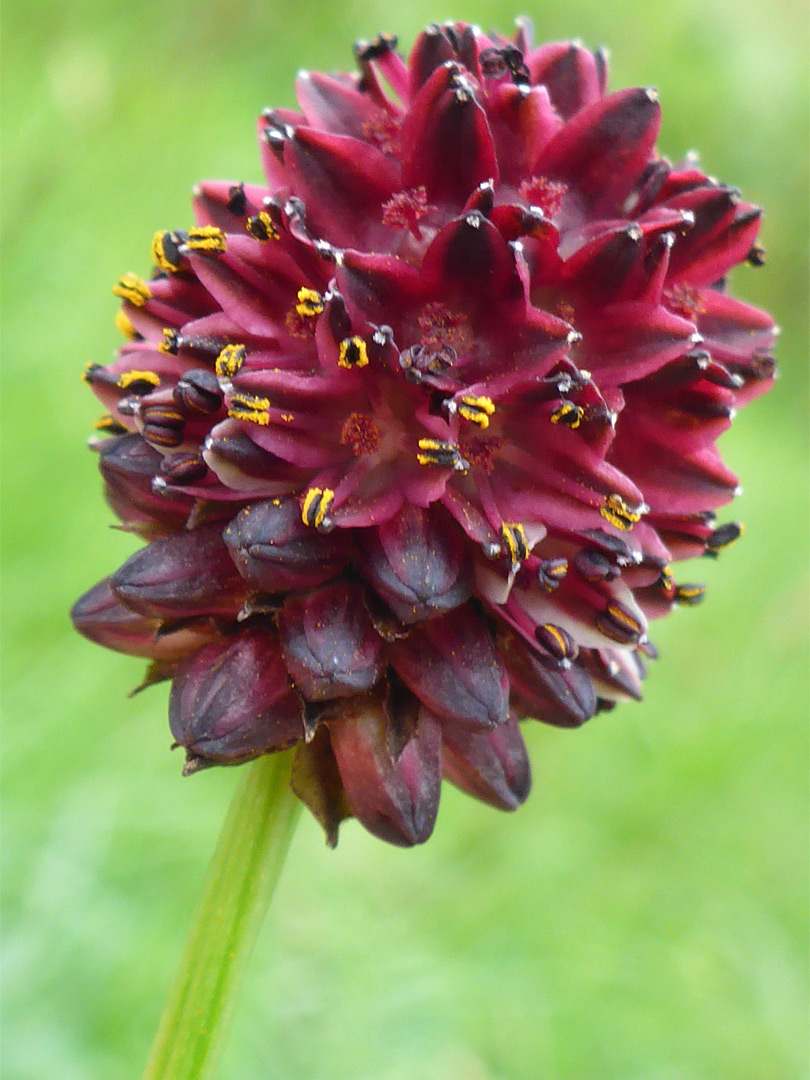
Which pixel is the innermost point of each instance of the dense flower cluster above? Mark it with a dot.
(415, 431)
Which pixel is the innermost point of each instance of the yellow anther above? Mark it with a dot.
(689, 594)
(353, 353)
(206, 238)
(262, 227)
(106, 423)
(124, 326)
(569, 414)
(170, 343)
(514, 537)
(165, 252)
(127, 378)
(315, 506)
(618, 513)
(310, 303)
(251, 408)
(436, 452)
(132, 288)
(667, 581)
(230, 361)
(477, 410)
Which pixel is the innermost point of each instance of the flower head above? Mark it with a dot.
(416, 430)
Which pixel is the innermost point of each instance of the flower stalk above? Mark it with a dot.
(237, 892)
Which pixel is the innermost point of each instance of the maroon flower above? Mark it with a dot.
(415, 431)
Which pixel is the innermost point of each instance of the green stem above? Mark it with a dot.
(236, 894)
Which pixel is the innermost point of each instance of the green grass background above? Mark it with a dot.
(643, 917)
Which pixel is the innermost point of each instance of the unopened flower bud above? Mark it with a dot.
(396, 796)
(231, 701)
(275, 551)
(183, 575)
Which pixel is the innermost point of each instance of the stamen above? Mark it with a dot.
(689, 595)
(594, 565)
(617, 623)
(124, 326)
(166, 250)
(477, 410)
(444, 454)
(206, 239)
(618, 513)
(756, 256)
(315, 508)
(353, 353)
(109, 424)
(310, 302)
(237, 200)
(557, 641)
(251, 408)
(127, 380)
(262, 227)
(514, 538)
(495, 63)
(132, 288)
(198, 391)
(723, 537)
(373, 50)
(666, 580)
(568, 414)
(183, 468)
(170, 343)
(551, 572)
(163, 425)
(230, 360)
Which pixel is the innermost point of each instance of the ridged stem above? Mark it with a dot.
(236, 894)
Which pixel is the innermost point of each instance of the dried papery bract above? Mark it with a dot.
(415, 429)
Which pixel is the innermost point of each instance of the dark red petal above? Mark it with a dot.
(231, 701)
(430, 50)
(243, 298)
(447, 144)
(185, 575)
(626, 341)
(377, 288)
(331, 105)
(472, 263)
(393, 792)
(340, 179)
(601, 153)
(329, 642)
(451, 664)
(491, 765)
(275, 551)
(522, 123)
(570, 73)
(418, 564)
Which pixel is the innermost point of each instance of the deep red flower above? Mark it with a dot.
(416, 430)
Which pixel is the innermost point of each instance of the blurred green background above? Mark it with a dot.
(643, 917)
